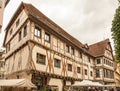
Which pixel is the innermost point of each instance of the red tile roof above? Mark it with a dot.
(34, 12)
(98, 49)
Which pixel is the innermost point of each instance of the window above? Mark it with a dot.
(37, 32)
(25, 31)
(20, 35)
(69, 67)
(85, 71)
(57, 63)
(17, 23)
(41, 58)
(78, 70)
(67, 48)
(47, 37)
(98, 61)
(72, 51)
(91, 73)
(97, 73)
(11, 31)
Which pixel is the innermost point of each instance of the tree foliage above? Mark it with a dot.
(116, 33)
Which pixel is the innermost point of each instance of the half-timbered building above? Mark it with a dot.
(104, 61)
(41, 51)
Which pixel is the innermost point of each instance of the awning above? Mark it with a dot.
(87, 83)
(17, 83)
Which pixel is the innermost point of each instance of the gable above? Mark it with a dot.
(108, 51)
(20, 15)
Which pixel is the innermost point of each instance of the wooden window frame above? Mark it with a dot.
(67, 48)
(57, 63)
(40, 58)
(47, 37)
(69, 67)
(37, 32)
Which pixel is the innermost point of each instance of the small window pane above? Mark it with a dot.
(37, 32)
(41, 58)
(57, 63)
(47, 37)
(67, 48)
(98, 61)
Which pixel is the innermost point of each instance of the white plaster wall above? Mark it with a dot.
(13, 62)
(22, 16)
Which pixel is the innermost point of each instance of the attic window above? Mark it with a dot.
(17, 23)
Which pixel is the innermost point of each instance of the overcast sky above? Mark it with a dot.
(87, 20)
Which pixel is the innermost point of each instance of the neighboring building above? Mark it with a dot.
(2, 63)
(41, 51)
(117, 74)
(104, 61)
(3, 3)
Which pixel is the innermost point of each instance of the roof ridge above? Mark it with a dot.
(100, 42)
